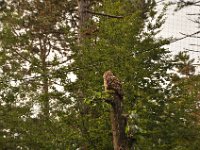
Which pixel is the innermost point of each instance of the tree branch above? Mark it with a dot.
(194, 21)
(191, 35)
(193, 14)
(190, 3)
(191, 50)
(186, 36)
(102, 14)
(194, 45)
(20, 55)
(160, 1)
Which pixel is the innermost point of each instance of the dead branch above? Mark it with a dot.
(190, 35)
(186, 36)
(103, 14)
(191, 50)
(194, 45)
(195, 14)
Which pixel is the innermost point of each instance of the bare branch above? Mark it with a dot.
(102, 14)
(195, 64)
(160, 1)
(186, 36)
(194, 45)
(190, 35)
(25, 58)
(194, 14)
(190, 3)
(194, 21)
(191, 50)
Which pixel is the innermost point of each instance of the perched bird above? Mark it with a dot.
(111, 82)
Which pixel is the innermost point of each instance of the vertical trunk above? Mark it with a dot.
(83, 6)
(82, 10)
(45, 84)
(82, 24)
(118, 125)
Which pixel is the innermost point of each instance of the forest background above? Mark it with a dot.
(44, 43)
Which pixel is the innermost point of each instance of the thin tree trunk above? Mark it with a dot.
(83, 17)
(45, 84)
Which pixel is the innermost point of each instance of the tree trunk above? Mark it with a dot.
(83, 6)
(45, 84)
(83, 19)
(118, 122)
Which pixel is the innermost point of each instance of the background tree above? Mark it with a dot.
(185, 64)
(35, 49)
(185, 100)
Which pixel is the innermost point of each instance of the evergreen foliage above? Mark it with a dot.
(42, 108)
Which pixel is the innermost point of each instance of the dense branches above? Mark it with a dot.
(52, 56)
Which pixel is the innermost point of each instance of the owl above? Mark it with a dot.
(112, 83)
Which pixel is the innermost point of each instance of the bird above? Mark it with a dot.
(111, 82)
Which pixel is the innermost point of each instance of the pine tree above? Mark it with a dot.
(125, 43)
(184, 65)
(35, 50)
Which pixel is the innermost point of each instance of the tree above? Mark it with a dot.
(131, 53)
(184, 101)
(35, 47)
(185, 64)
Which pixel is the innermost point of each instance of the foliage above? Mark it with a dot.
(184, 65)
(39, 50)
(35, 45)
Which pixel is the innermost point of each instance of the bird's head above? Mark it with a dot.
(107, 74)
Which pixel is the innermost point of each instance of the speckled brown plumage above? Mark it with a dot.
(111, 82)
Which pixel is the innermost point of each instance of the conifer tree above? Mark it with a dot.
(124, 43)
(36, 43)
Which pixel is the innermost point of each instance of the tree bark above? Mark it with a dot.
(118, 123)
(45, 84)
(83, 17)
